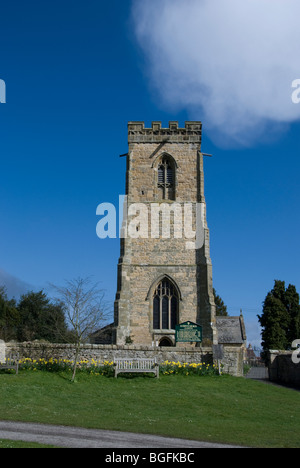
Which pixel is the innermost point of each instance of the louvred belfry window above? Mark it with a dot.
(166, 179)
(165, 306)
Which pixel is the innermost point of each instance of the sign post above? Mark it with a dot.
(188, 332)
(218, 354)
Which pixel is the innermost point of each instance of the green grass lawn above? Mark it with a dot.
(213, 408)
(19, 444)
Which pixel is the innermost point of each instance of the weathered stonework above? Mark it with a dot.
(163, 275)
(145, 261)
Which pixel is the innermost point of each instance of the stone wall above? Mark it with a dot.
(232, 361)
(282, 369)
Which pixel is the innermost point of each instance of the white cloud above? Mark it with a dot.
(229, 63)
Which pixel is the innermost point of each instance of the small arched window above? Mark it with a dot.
(166, 179)
(165, 306)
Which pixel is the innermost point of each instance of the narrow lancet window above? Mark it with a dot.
(166, 179)
(165, 306)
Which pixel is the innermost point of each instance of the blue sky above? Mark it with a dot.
(76, 72)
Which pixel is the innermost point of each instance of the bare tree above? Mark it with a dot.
(85, 310)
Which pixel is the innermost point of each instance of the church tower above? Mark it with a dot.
(164, 270)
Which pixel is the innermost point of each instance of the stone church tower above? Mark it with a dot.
(164, 276)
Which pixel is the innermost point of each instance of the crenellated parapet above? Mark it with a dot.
(191, 133)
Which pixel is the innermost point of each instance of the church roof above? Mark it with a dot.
(231, 330)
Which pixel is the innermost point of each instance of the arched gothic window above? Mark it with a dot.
(166, 179)
(165, 306)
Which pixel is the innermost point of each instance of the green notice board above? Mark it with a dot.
(188, 332)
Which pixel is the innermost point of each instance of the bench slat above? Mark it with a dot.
(136, 365)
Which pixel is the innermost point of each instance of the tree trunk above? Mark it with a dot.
(75, 361)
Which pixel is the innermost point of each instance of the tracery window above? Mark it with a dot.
(165, 306)
(166, 179)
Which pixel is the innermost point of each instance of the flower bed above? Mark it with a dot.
(106, 368)
(58, 365)
(185, 368)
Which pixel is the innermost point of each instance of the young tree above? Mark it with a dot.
(293, 308)
(9, 317)
(280, 319)
(274, 323)
(85, 310)
(40, 318)
(221, 308)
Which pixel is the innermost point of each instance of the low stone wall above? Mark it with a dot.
(109, 352)
(232, 361)
(282, 369)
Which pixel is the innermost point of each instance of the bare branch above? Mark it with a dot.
(85, 309)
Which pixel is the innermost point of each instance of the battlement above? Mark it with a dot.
(191, 133)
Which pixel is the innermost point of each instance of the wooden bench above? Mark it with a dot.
(136, 365)
(11, 362)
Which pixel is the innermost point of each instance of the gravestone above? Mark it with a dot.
(2, 351)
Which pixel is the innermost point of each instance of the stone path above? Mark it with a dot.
(77, 437)
(258, 373)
